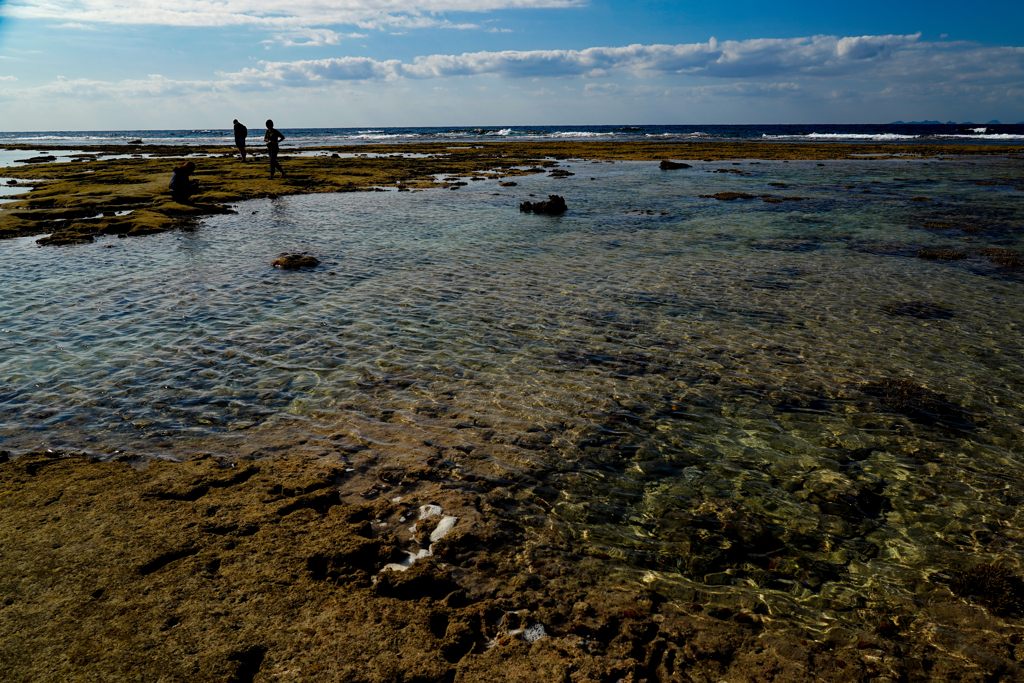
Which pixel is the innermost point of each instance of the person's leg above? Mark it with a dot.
(273, 162)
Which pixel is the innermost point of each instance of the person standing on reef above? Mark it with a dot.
(241, 132)
(272, 137)
(181, 186)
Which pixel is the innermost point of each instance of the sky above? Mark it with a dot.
(193, 64)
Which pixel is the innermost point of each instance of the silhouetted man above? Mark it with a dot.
(241, 132)
(272, 137)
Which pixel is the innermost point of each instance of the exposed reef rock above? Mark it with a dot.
(554, 206)
(667, 165)
(295, 262)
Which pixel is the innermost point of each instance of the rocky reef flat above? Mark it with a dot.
(121, 190)
(420, 543)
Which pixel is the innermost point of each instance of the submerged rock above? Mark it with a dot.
(295, 262)
(991, 585)
(917, 402)
(554, 206)
(919, 309)
(667, 165)
(779, 200)
(729, 196)
(885, 248)
(1006, 258)
(941, 255)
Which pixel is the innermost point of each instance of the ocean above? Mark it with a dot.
(903, 133)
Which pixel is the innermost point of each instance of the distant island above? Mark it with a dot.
(939, 123)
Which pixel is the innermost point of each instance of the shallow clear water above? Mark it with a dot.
(678, 382)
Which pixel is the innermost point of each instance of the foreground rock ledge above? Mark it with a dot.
(260, 571)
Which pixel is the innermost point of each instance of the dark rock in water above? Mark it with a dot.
(509, 184)
(919, 309)
(1006, 258)
(12, 181)
(554, 206)
(58, 239)
(560, 173)
(918, 403)
(730, 196)
(992, 585)
(295, 262)
(135, 142)
(779, 200)
(73, 233)
(667, 165)
(335, 156)
(941, 255)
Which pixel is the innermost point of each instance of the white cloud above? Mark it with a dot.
(891, 57)
(893, 69)
(313, 37)
(602, 88)
(8, 78)
(285, 14)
